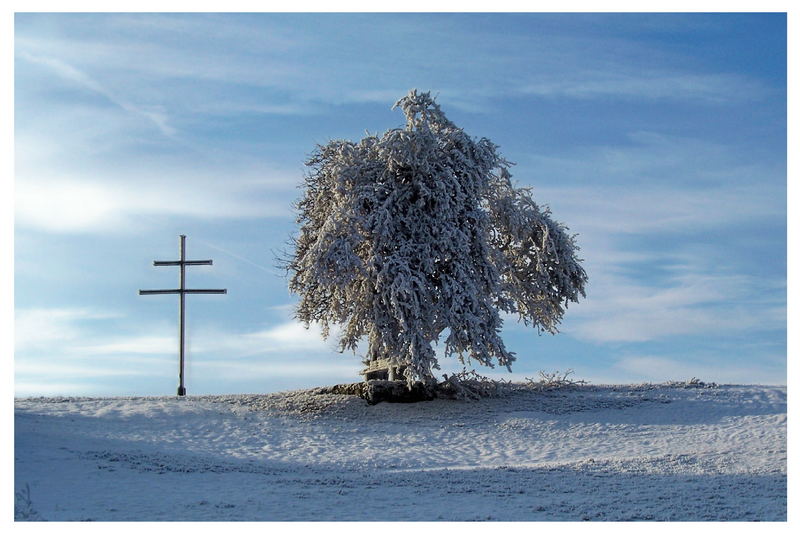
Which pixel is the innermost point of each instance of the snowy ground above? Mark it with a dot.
(644, 452)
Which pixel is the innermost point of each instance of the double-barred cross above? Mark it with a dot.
(182, 291)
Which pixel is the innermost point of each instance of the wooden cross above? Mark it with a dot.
(183, 291)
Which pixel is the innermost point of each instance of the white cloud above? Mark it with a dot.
(39, 328)
(66, 206)
(291, 334)
(286, 339)
(84, 206)
(69, 205)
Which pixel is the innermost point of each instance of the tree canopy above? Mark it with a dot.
(419, 232)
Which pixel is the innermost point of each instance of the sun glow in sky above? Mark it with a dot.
(659, 138)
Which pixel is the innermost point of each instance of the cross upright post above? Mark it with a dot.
(182, 314)
(182, 292)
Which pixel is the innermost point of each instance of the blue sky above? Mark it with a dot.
(659, 139)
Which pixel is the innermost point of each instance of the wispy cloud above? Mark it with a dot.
(288, 336)
(81, 79)
(644, 295)
(658, 209)
(645, 84)
(283, 338)
(688, 300)
(72, 331)
(268, 51)
(649, 157)
(49, 357)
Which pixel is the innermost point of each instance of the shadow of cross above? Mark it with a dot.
(182, 291)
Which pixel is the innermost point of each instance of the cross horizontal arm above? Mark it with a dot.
(159, 291)
(179, 263)
(185, 291)
(206, 291)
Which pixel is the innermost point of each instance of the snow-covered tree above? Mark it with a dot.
(419, 233)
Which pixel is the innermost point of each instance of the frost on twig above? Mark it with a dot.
(469, 385)
(23, 506)
(554, 381)
(693, 383)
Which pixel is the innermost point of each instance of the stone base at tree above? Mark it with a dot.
(381, 390)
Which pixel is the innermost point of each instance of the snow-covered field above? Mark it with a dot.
(640, 452)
